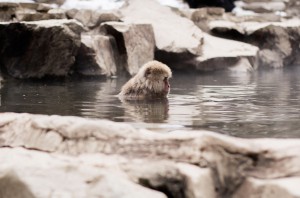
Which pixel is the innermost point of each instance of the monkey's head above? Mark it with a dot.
(156, 76)
(151, 81)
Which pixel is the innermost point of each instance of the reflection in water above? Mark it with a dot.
(265, 104)
(89, 98)
(149, 111)
(261, 104)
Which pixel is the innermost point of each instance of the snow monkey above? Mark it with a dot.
(151, 82)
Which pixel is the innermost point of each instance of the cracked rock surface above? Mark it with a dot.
(55, 156)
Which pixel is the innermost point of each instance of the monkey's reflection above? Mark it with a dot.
(151, 111)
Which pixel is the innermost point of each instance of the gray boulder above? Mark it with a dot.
(38, 49)
(136, 43)
(280, 48)
(26, 11)
(293, 8)
(218, 53)
(97, 56)
(277, 41)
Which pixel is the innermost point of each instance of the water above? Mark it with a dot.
(260, 104)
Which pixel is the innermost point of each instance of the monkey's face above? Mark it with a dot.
(157, 79)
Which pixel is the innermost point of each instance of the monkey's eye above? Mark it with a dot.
(148, 72)
(166, 79)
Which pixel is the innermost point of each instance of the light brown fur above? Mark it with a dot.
(151, 82)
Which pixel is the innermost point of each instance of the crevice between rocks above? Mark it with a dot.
(171, 187)
(119, 42)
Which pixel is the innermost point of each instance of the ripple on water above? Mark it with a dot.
(261, 104)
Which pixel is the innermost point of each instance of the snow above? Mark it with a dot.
(93, 4)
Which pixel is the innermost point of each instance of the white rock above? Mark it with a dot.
(265, 188)
(31, 174)
(172, 33)
(88, 154)
(199, 181)
(215, 47)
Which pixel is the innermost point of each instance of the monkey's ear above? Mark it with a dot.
(147, 72)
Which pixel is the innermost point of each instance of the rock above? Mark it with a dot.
(244, 65)
(50, 175)
(7, 11)
(204, 13)
(58, 2)
(97, 56)
(42, 7)
(26, 11)
(270, 59)
(135, 42)
(37, 16)
(217, 49)
(125, 189)
(199, 181)
(278, 50)
(28, 5)
(262, 17)
(173, 34)
(281, 50)
(174, 179)
(92, 18)
(88, 154)
(263, 7)
(162, 176)
(202, 16)
(276, 188)
(31, 49)
(37, 12)
(52, 140)
(293, 7)
(197, 50)
(12, 186)
(218, 54)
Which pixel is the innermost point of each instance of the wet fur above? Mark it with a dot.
(148, 83)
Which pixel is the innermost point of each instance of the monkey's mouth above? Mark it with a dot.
(167, 86)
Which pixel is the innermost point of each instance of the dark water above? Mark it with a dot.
(260, 104)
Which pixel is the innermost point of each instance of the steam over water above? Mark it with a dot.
(260, 104)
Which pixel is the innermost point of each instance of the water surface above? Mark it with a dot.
(260, 104)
